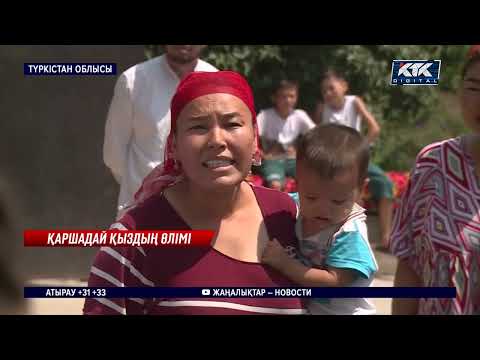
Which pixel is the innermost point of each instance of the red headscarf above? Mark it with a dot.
(473, 51)
(196, 84)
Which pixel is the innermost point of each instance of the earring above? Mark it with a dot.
(175, 164)
(257, 159)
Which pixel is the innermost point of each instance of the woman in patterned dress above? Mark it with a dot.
(436, 231)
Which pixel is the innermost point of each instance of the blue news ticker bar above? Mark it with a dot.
(210, 292)
(69, 69)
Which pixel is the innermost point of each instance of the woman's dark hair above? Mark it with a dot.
(332, 148)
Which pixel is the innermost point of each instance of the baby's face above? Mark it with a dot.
(326, 202)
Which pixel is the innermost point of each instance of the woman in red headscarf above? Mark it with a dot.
(436, 232)
(201, 185)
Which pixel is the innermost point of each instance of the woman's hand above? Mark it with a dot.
(275, 255)
(405, 276)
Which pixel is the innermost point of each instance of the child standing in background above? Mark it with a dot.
(279, 127)
(350, 110)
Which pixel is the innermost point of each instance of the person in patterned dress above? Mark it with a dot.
(436, 230)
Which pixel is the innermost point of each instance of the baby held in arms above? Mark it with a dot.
(332, 162)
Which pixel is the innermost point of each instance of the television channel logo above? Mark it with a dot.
(415, 72)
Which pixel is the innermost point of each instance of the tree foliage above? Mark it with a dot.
(410, 116)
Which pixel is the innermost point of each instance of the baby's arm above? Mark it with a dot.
(275, 256)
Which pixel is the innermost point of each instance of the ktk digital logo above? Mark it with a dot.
(415, 72)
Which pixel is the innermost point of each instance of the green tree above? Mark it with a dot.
(410, 116)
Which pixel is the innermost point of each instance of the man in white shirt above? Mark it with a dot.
(138, 120)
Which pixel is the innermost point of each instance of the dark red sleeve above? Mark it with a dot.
(279, 211)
